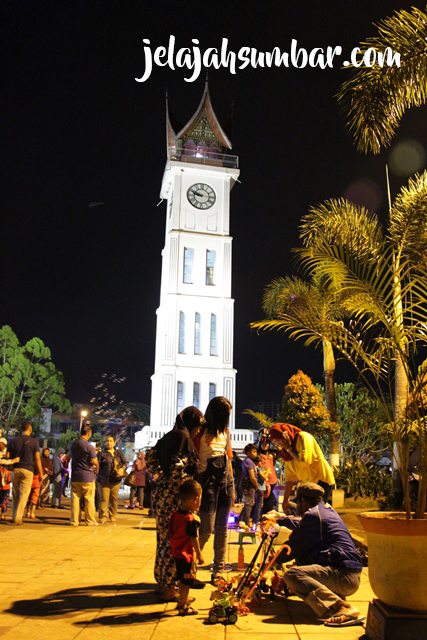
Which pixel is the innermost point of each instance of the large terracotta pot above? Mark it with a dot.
(397, 551)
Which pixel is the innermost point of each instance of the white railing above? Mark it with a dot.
(148, 436)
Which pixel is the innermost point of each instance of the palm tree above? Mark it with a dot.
(375, 98)
(308, 311)
(382, 277)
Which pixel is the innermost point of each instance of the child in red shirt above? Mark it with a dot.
(184, 541)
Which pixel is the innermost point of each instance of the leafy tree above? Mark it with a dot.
(375, 98)
(303, 406)
(29, 380)
(308, 311)
(382, 276)
(361, 418)
(65, 439)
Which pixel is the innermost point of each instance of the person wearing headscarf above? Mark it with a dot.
(172, 459)
(303, 458)
(57, 474)
(48, 470)
(139, 469)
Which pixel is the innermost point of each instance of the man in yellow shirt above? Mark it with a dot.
(304, 460)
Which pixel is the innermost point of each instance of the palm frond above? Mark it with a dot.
(262, 418)
(375, 98)
(338, 221)
(408, 219)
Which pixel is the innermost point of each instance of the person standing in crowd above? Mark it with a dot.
(34, 496)
(304, 460)
(237, 475)
(57, 478)
(83, 465)
(215, 474)
(5, 477)
(98, 488)
(65, 471)
(139, 469)
(174, 459)
(112, 468)
(249, 482)
(328, 567)
(184, 541)
(268, 460)
(27, 450)
(47, 478)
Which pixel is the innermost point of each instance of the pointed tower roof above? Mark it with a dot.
(205, 118)
(170, 133)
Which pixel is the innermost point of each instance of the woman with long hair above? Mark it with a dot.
(172, 459)
(215, 474)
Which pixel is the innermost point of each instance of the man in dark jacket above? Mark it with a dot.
(112, 469)
(328, 565)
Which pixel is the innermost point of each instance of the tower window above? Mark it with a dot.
(181, 345)
(197, 347)
(179, 397)
(188, 265)
(212, 390)
(196, 394)
(210, 266)
(213, 335)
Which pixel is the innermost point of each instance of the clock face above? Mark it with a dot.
(201, 195)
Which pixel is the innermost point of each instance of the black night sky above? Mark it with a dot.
(78, 129)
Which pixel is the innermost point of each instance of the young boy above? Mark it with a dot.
(184, 541)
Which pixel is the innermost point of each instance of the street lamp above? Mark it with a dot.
(83, 414)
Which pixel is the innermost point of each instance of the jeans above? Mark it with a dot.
(257, 508)
(139, 491)
(214, 512)
(319, 586)
(22, 480)
(110, 500)
(86, 489)
(249, 500)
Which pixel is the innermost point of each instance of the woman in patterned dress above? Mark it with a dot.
(173, 458)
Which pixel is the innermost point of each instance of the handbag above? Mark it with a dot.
(130, 480)
(118, 472)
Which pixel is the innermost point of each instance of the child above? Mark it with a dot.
(33, 498)
(184, 541)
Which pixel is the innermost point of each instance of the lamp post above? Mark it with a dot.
(83, 414)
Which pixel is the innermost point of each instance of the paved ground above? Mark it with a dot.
(60, 582)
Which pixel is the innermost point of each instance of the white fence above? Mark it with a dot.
(148, 436)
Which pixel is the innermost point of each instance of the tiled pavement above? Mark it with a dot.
(59, 583)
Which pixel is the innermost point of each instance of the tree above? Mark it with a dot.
(362, 419)
(303, 406)
(383, 279)
(307, 311)
(29, 381)
(375, 98)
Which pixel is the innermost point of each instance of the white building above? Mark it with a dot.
(194, 342)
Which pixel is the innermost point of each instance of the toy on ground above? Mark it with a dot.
(230, 601)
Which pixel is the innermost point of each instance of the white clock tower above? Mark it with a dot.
(194, 342)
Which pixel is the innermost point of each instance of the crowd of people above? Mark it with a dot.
(197, 478)
(38, 481)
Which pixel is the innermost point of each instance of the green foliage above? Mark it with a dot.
(262, 418)
(361, 481)
(375, 98)
(303, 406)
(361, 418)
(382, 276)
(29, 380)
(66, 438)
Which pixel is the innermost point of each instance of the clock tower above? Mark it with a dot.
(194, 341)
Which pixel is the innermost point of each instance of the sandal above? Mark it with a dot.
(187, 611)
